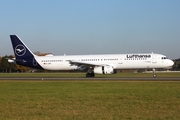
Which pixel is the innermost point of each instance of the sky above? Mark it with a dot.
(77, 27)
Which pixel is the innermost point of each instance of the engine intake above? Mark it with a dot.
(104, 70)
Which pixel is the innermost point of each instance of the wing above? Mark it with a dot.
(85, 65)
(79, 63)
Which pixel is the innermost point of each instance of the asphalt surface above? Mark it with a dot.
(105, 79)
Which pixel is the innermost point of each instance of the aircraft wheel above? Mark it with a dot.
(90, 74)
(87, 75)
(154, 75)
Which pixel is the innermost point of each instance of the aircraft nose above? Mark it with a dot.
(171, 63)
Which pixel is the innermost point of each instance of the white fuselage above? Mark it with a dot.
(117, 61)
(94, 64)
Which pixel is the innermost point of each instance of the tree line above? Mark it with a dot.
(6, 67)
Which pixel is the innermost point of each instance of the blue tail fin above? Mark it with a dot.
(20, 49)
(23, 54)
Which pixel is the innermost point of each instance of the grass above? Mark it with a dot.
(80, 75)
(89, 100)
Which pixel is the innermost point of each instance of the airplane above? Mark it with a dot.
(94, 64)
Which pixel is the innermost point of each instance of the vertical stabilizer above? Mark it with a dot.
(20, 49)
(23, 54)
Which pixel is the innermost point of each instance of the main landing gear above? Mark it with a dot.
(90, 74)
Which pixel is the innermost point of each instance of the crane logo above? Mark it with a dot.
(20, 50)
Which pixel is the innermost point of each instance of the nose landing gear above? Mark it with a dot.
(154, 73)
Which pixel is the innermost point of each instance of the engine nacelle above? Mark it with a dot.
(104, 70)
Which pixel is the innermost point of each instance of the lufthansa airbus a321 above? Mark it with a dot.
(94, 64)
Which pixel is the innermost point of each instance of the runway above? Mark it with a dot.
(100, 79)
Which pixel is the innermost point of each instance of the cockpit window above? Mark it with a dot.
(163, 58)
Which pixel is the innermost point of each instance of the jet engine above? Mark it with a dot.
(104, 70)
